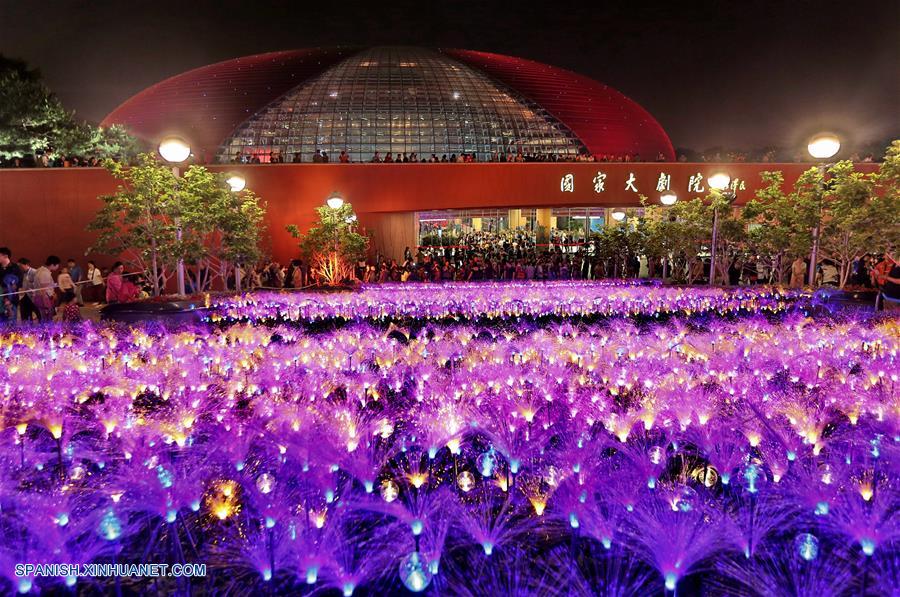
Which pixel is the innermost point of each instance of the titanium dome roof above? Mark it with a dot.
(390, 99)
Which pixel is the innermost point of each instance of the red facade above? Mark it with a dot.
(46, 210)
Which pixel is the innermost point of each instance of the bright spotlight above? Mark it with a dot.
(174, 150)
(719, 181)
(824, 146)
(335, 201)
(236, 182)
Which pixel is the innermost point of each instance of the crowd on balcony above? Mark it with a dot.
(768, 155)
(47, 160)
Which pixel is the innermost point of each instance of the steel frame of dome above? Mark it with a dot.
(400, 100)
(210, 104)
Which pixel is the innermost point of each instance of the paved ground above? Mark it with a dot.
(91, 311)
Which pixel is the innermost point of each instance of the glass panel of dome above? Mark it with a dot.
(403, 108)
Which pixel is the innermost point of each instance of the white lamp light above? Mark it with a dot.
(618, 215)
(174, 150)
(719, 181)
(236, 182)
(335, 202)
(824, 146)
(668, 198)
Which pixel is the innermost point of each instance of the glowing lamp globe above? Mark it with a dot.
(466, 481)
(668, 198)
(236, 182)
(335, 202)
(413, 573)
(719, 181)
(807, 546)
(824, 146)
(174, 150)
(389, 490)
(618, 215)
(265, 483)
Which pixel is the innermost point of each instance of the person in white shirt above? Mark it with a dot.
(44, 294)
(93, 290)
(64, 280)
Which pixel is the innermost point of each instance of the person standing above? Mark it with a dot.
(93, 283)
(27, 309)
(45, 288)
(77, 275)
(64, 280)
(10, 282)
(118, 289)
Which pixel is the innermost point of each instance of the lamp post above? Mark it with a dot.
(236, 183)
(335, 202)
(719, 183)
(667, 198)
(822, 147)
(176, 150)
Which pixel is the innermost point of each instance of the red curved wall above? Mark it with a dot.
(46, 211)
(606, 121)
(205, 104)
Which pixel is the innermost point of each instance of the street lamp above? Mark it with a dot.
(176, 150)
(668, 198)
(719, 183)
(236, 182)
(824, 146)
(618, 215)
(335, 201)
(821, 147)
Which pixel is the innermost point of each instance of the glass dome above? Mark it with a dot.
(398, 100)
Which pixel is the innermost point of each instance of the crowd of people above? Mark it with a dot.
(516, 255)
(767, 155)
(45, 160)
(321, 156)
(56, 291)
(764, 155)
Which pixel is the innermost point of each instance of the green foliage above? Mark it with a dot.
(153, 207)
(857, 219)
(32, 121)
(779, 223)
(334, 232)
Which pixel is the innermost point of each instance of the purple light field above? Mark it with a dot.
(570, 438)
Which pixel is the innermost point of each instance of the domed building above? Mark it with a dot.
(287, 106)
(242, 114)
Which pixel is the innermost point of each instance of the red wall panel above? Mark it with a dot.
(44, 211)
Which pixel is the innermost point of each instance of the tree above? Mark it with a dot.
(857, 219)
(779, 223)
(34, 121)
(143, 219)
(332, 246)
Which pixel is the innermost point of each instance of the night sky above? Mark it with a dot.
(732, 73)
